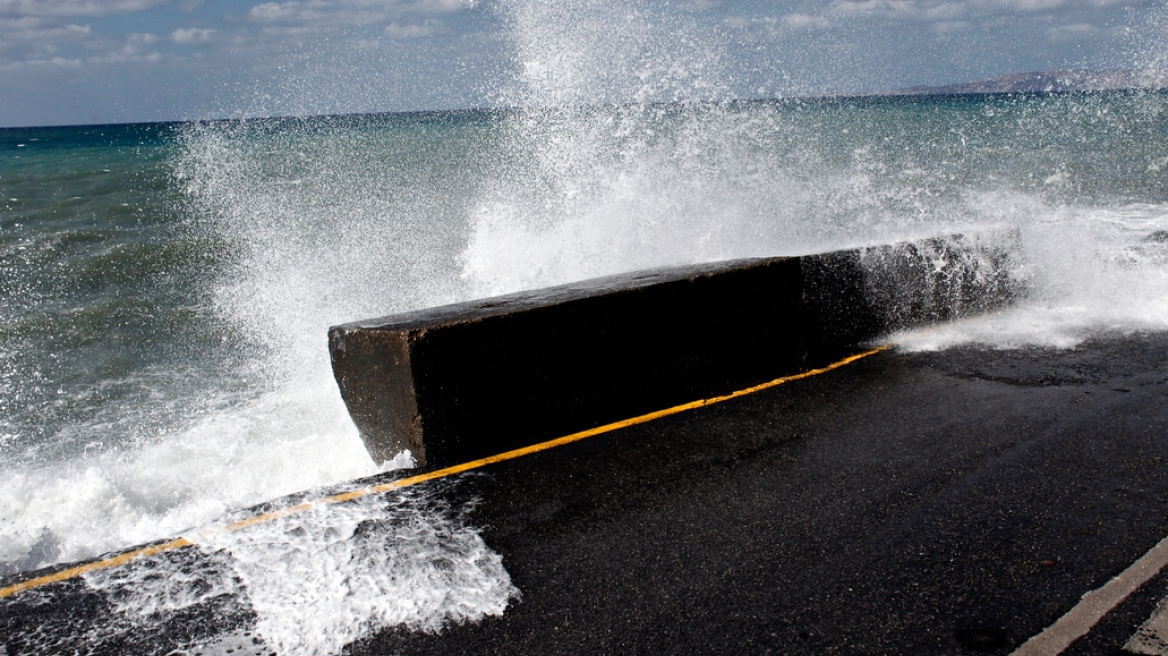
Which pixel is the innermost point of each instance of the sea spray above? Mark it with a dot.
(332, 219)
(336, 574)
(615, 148)
(328, 220)
(680, 184)
(599, 53)
(1090, 271)
(275, 443)
(307, 583)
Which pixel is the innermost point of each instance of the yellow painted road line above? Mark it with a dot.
(105, 563)
(145, 552)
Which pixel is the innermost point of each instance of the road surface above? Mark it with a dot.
(929, 503)
(956, 502)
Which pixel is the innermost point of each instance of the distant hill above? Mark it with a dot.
(1050, 81)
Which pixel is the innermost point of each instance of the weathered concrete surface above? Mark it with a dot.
(473, 379)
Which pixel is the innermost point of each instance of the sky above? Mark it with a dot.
(67, 62)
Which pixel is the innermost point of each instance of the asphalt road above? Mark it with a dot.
(932, 503)
(935, 503)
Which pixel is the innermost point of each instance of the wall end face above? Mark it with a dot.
(373, 371)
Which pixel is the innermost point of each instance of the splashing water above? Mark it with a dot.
(620, 149)
(308, 583)
(378, 563)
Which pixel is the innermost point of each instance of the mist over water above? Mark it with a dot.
(172, 364)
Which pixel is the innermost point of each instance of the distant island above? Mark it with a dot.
(1049, 82)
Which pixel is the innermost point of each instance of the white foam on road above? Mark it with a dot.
(336, 573)
(304, 584)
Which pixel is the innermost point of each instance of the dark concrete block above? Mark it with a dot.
(464, 381)
(473, 379)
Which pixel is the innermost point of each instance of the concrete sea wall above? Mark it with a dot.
(465, 381)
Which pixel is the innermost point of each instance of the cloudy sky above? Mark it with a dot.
(96, 61)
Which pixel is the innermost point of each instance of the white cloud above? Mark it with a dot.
(40, 40)
(126, 56)
(42, 32)
(1023, 5)
(1075, 32)
(343, 12)
(438, 6)
(187, 36)
(71, 8)
(764, 24)
(804, 21)
(278, 31)
(135, 48)
(56, 62)
(1047, 5)
(143, 38)
(275, 12)
(948, 27)
(1081, 32)
(946, 12)
(399, 31)
(907, 9)
(951, 10)
(57, 46)
(40, 29)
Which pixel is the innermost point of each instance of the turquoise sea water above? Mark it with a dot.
(165, 289)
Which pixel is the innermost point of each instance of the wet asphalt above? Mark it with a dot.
(910, 503)
(955, 502)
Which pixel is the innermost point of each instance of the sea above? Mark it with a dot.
(165, 292)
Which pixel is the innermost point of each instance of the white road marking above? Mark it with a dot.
(1095, 604)
(1152, 637)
